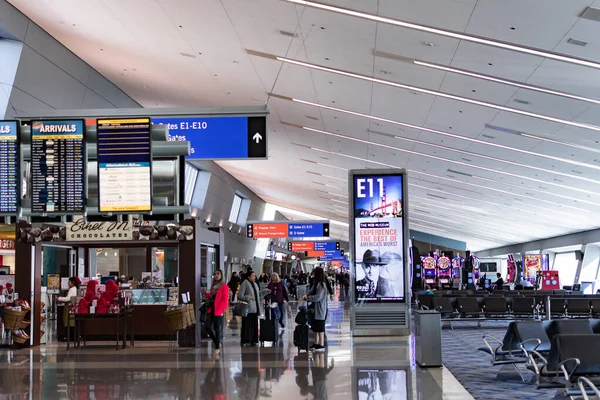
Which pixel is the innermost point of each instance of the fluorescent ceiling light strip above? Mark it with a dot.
(574, 145)
(439, 94)
(447, 33)
(545, 192)
(455, 136)
(339, 201)
(501, 160)
(502, 225)
(333, 177)
(424, 215)
(463, 236)
(461, 211)
(505, 81)
(393, 166)
(498, 190)
(448, 160)
(461, 232)
(309, 216)
(338, 195)
(519, 208)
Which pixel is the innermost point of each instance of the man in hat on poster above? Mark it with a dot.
(368, 276)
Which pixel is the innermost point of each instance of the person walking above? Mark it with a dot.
(278, 295)
(318, 296)
(219, 295)
(233, 285)
(250, 293)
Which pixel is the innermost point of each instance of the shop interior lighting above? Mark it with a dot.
(504, 81)
(460, 137)
(436, 93)
(470, 165)
(447, 33)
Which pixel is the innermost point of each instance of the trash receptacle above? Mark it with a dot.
(428, 338)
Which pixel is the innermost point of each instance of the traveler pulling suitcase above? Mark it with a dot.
(268, 326)
(301, 330)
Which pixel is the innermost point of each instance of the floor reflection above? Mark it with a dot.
(360, 368)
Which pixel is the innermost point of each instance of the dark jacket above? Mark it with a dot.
(233, 284)
(278, 292)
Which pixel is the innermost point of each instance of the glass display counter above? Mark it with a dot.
(141, 297)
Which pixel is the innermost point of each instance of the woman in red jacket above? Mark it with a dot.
(219, 293)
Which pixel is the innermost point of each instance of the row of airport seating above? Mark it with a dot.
(510, 307)
(561, 353)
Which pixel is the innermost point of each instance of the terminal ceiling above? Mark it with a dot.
(480, 170)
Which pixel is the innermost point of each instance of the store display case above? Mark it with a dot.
(148, 296)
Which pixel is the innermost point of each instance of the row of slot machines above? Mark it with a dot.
(446, 273)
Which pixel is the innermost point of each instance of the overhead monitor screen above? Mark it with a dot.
(9, 167)
(124, 165)
(58, 166)
(379, 238)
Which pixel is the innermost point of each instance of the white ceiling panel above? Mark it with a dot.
(189, 53)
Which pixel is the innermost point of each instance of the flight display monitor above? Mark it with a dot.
(58, 166)
(9, 167)
(124, 165)
(379, 237)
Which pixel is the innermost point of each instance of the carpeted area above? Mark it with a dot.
(474, 370)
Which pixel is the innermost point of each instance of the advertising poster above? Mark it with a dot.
(7, 289)
(532, 263)
(378, 236)
(53, 283)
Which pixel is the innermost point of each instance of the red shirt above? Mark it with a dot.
(221, 300)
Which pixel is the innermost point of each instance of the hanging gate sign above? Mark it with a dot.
(80, 230)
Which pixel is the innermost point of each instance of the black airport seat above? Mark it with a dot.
(425, 300)
(595, 307)
(595, 323)
(468, 307)
(524, 307)
(569, 359)
(557, 307)
(495, 306)
(578, 307)
(573, 327)
(444, 306)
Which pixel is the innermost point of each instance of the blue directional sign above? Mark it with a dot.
(331, 258)
(334, 253)
(325, 246)
(219, 138)
(308, 230)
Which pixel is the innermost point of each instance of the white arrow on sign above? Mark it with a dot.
(257, 137)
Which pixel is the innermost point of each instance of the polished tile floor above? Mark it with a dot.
(364, 368)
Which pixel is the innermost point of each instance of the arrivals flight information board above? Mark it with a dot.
(58, 166)
(124, 165)
(9, 170)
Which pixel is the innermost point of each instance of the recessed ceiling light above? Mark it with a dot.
(448, 33)
(576, 42)
(428, 44)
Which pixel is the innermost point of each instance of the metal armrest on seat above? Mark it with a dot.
(537, 368)
(563, 368)
(424, 308)
(582, 382)
(534, 340)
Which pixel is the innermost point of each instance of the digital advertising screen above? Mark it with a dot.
(379, 238)
(58, 166)
(9, 167)
(382, 384)
(124, 165)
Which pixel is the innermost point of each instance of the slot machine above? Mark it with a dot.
(444, 265)
(429, 271)
(476, 272)
(457, 268)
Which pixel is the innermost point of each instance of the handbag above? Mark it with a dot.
(241, 309)
(204, 314)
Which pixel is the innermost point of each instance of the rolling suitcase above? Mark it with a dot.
(301, 337)
(268, 327)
